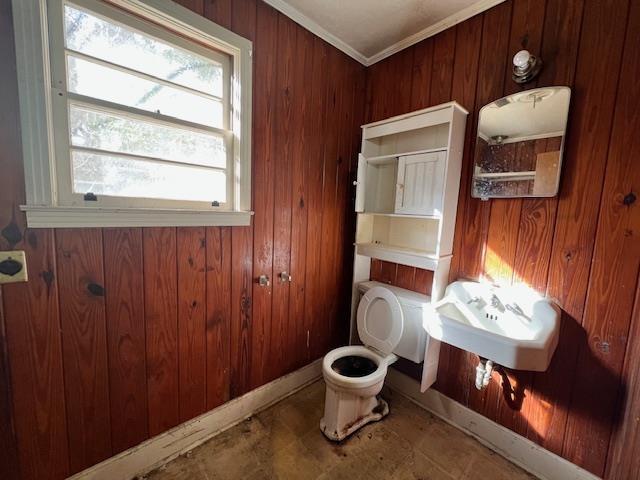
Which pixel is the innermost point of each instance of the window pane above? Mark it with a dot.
(107, 131)
(118, 44)
(93, 80)
(123, 177)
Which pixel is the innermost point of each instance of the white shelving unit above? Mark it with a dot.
(407, 197)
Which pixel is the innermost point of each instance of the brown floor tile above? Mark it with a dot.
(491, 465)
(285, 442)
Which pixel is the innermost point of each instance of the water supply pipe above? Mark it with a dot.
(483, 373)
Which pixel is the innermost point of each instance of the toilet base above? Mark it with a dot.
(378, 412)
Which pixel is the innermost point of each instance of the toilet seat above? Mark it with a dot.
(380, 326)
(355, 382)
(380, 320)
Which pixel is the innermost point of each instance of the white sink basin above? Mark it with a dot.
(512, 326)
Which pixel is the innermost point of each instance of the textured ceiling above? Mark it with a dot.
(370, 28)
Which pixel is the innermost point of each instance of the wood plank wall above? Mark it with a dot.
(581, 248)
(122, 333)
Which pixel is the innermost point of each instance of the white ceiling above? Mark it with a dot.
(370, 30)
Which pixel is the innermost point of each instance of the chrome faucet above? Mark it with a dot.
(496, 303)
(515, 309)
(480, 303)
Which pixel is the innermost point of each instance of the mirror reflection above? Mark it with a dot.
(519, 144)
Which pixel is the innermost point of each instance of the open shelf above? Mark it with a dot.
(405, 239)
(507, 176)
(392, 157)
(417, 140)
(405, 215)
(401, 255)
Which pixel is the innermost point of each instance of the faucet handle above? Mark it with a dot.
(496, 303)
(479, 301)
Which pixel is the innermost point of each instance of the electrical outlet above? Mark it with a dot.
(13, 267)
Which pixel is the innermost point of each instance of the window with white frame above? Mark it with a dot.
(147, 117)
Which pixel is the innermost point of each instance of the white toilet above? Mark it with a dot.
(389, 325)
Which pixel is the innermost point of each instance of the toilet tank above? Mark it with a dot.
(414, 336)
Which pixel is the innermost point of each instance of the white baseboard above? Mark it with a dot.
(518, 449)
(163, 448)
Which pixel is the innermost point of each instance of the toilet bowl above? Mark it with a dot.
(389, 325)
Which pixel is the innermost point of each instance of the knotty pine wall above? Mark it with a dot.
(581, 248)
(123, 333)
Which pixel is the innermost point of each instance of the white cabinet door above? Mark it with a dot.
(420, 184)
(360, 183)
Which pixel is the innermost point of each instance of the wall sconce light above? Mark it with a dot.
(525, 66)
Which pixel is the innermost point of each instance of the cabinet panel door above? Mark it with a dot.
(420, 184)
(360, 183)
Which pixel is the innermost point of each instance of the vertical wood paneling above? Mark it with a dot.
(550, 393)
(580, 246)
(84, 345)
(196, 6)
(154, 347)
(620, 464)
(398, 95)
(571, 259)
(571, 246)
(243, 22)
(241, 331)
(527, 21)
(444, 46)
(423, 281)
(192, 347)
(493, 58)
(219, 310)
(405, 277)
(376, 75)
(264, 139)
(612, 280)
(304, 120)
(161, 319)
(455, 378)
(586, 151)
(218, 11)
(35, 352)
(343, 270)
(493, 53)
(561, 26)
(422, 67)
(332, 99)
(9, 467)
(125, 336)
(502, 238)
(316, 169)
(608, 312)
(285, 133)
(463, 91)
(11, 194)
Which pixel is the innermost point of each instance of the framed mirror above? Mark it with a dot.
(520, 143)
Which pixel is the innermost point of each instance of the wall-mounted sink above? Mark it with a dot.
(512, 326)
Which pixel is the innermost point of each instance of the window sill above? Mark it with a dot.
(83, 217)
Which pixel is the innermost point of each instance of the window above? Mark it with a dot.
(146, 108)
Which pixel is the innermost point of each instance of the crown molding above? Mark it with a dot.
(430, 31)
(445, 23)
(301, 19)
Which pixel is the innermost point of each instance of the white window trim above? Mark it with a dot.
(35, 89)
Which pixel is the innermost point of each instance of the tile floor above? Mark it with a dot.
(285, 442)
